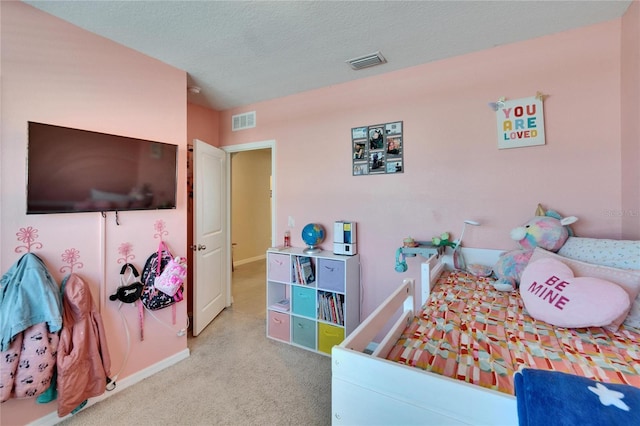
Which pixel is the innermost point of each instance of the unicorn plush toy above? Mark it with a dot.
(547, 230)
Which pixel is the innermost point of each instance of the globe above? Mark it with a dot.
(313, 234)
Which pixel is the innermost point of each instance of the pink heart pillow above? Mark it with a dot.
(553, 294)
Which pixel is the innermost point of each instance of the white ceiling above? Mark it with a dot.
(241, 52)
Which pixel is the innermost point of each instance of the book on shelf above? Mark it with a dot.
(332, 310)
(339, 308)
(297, 276)
(331, 307)
(323, 312)
(307, 270)
(283, 305)
(327, 308)
(303, 270)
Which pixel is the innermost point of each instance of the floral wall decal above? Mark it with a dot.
(125, 250)
(160, 227)
(28, 236)
(71, 257)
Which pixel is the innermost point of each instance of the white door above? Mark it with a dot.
(210, 263)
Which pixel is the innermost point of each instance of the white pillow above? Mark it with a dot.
(623, 254)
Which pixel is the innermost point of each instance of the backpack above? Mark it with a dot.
(151, 297)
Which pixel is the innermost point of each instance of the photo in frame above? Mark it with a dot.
(377, 149)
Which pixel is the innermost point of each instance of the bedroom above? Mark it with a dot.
(453, 170)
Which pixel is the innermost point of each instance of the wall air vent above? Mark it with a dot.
(367, 61)
(243, 121)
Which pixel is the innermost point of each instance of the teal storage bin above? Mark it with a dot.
(304, 301)
(303, 332)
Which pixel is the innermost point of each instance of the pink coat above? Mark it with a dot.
(83, 356)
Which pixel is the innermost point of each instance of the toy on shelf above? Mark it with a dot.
(412, 248)
(444, 241)
(410, 242)
(437, 246)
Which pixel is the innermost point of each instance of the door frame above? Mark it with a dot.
(251, 146)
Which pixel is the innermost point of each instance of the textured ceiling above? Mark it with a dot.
(241, 52)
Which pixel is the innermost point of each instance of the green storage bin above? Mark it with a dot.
(303, 332)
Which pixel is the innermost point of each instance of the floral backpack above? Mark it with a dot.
(152, 297)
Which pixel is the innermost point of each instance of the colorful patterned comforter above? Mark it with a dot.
(472, 332)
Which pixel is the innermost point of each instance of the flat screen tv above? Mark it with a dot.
(72, 170)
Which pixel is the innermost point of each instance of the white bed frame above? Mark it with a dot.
(367, 389)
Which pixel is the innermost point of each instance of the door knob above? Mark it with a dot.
(198, 247)
(201, 247)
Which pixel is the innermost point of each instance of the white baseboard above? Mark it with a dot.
(52, 418)
(249, 260)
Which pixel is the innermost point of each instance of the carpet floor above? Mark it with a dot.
(234, 376)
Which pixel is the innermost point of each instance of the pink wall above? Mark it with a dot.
(202, 124)
(53, 72)
(630, 122)
(453, 169)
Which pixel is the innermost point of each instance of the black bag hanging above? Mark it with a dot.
(128, 293)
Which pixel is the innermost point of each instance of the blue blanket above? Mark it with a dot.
(553, 398)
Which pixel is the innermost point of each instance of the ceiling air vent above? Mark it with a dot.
(367, 61)
(243, 121)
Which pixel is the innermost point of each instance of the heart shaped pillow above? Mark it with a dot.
(553, 294)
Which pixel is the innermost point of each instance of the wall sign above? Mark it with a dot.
(520, 122)
(377, 149)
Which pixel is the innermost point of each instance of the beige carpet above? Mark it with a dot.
(234, 376)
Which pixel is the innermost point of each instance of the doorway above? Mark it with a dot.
(250, 205)
(251, 202)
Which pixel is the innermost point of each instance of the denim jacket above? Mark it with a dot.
(28, 295)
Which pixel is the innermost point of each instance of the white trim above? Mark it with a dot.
(52, 418)
(249, 260)
(250, 147)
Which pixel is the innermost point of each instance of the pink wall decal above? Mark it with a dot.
(160, 227)
(28, 236)
(125, 250)
(71, 257)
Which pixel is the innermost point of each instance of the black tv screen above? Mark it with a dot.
(72, 170)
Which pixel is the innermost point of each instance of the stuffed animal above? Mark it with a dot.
(443, 240)
(549, 231)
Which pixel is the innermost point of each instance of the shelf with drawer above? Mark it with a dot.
(313, 300)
